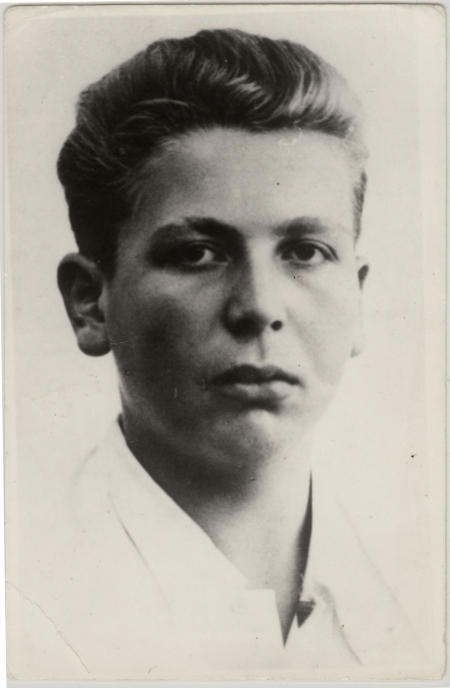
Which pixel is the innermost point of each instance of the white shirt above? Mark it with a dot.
(139, 591)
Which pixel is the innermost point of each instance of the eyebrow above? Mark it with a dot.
(308, 225)
(215, 229)
(219, 230)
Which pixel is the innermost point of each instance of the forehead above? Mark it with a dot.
(249, 179)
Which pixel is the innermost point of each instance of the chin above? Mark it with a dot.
(255, 436)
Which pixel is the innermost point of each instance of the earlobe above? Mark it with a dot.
(363, 271)
(81, 283)
(359, 342)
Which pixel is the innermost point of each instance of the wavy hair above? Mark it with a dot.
(224, 78)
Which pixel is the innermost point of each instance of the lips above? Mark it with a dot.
(252, 375)
(260, 386)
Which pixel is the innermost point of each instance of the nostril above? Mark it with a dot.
(246, 327)
(252, 327)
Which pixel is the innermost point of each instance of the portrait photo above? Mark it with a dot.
(225, 342)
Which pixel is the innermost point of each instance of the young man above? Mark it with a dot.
(215, 188)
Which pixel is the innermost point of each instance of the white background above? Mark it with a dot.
(380, 442)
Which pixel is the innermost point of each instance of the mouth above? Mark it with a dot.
(259, 384)
(252, 375)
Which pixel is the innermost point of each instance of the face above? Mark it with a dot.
(235, 301)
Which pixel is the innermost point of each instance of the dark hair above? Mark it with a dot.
(222, 78)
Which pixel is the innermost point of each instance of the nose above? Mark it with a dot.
(255, 304)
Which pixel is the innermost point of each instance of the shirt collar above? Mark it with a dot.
(338, 573)
(164, 533)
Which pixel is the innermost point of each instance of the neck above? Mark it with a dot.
(258, 517)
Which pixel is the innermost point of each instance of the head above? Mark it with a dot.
(215, 187)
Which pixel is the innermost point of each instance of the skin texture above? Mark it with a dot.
(179, 324)
(241, 251)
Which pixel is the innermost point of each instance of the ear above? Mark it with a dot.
(82, 285)
(359, 342)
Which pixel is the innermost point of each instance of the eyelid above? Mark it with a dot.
(169, 254)
(328, 251)
(218, 252)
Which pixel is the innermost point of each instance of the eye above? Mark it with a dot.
(306, 253)
(194, 255)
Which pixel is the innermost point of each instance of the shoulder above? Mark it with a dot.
(85, 611)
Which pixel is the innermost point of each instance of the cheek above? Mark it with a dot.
(164, 323)
(332, 330)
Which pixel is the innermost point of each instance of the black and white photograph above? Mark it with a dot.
(225, 342)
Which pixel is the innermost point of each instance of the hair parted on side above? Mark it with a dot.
(222, 78)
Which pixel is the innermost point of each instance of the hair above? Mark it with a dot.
(221, 78)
